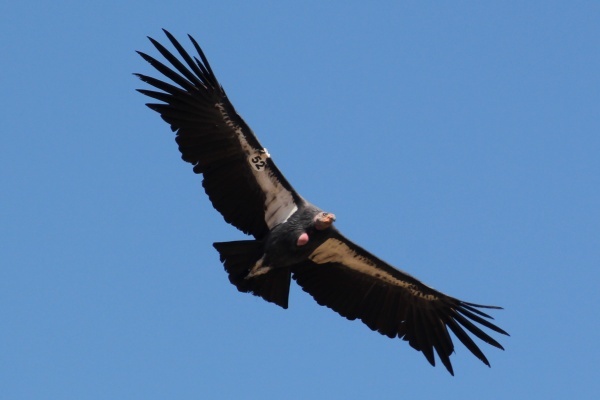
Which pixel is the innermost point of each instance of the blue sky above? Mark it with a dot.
(458, 141)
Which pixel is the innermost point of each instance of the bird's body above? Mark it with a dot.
(282, 247)
(294, 239)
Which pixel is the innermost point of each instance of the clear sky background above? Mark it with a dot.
(459, 141)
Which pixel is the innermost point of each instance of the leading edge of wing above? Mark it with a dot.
(239, 176)
(346, 278)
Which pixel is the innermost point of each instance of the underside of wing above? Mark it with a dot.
(349, 280)
(240, 178)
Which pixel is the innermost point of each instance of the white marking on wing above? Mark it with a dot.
(336, 251)
(279, 202)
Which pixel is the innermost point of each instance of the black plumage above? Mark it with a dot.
(294, 239)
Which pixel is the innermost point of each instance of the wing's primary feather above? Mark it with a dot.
(351, 281)
(240, 178)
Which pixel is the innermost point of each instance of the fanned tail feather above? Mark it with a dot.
(239, 257)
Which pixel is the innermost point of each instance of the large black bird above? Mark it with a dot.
(294, 238)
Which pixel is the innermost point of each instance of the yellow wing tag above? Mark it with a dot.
(259, 160)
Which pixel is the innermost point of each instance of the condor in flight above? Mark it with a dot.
(294, 238)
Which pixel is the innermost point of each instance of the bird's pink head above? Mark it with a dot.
(323, 220)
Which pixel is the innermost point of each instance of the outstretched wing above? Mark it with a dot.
(240, 178)
(356, 284)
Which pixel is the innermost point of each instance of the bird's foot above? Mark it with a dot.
(258, 269)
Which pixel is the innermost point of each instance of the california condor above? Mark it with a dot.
(292, 237)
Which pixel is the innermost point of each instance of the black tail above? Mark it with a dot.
(239, 257)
